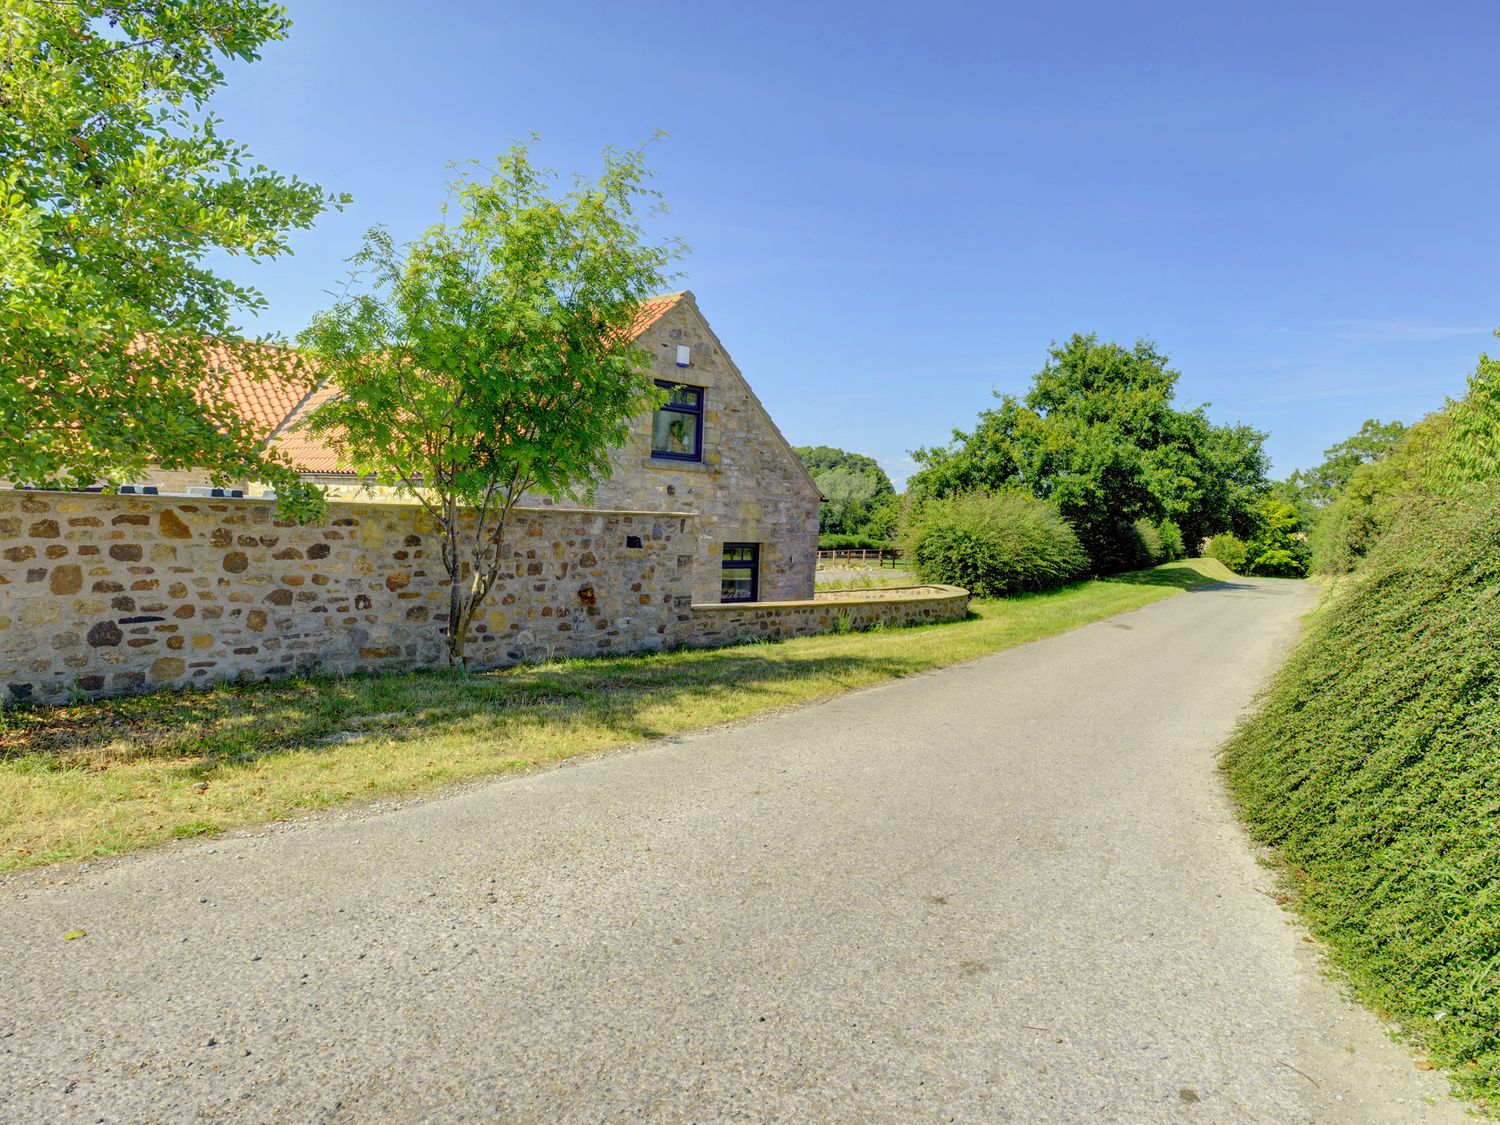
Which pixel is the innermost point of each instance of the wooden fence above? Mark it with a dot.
(860, 556)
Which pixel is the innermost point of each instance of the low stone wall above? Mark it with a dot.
(852, 611)
(101, 595)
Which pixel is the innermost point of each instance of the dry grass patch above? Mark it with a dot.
(106, 777)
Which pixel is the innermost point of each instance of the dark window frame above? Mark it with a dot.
(751, 566)
(695, 412)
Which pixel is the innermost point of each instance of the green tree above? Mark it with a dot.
(1276, 549)
(1320, 484)
(1098, 436)
(493, 356)
(115, 184)
(858, 496)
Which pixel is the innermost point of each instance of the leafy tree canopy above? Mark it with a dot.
(1374, 440)
(495, 355)
(820, 458)
(115, 184)
(1098, 436)
(858, 497)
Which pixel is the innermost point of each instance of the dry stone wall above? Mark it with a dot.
(105, 595)
(101, 595)
(710, 626)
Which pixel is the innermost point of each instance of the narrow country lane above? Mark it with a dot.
(1010, 891)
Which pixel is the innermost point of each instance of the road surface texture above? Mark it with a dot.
(1010, 891)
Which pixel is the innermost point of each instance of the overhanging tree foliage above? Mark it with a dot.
(115, 183)
(1098, 436)
(494, 356)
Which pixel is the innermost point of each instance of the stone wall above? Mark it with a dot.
(102, 594)
(712, 625)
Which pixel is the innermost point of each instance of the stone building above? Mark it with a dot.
(705, 535)
(712, 451)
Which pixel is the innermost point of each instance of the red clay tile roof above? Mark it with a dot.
(266, 401)
(309, 453)
(278, 404)
(653, 310)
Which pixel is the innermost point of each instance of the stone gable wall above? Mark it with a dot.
(749, 487)
(101, 595)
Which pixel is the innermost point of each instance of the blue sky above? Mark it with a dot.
(893, 209)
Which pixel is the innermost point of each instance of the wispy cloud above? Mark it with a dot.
(1401, 331)
(1353, 390)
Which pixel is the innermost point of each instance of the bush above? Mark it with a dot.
(1374, 761)
(1171, 541)
(1115, 545)
(1448, 451)
(1229, 549)
(1374, 765)
(993, 544)
(1151, 544)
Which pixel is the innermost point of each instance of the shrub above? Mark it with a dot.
(1229, 549)
(1446, 452)
(1171, 541)
(1115, 545)
(1374, 761)
(1373, 766)
(1151, 544)
(993, 544)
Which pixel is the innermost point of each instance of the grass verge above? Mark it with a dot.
(103, 778)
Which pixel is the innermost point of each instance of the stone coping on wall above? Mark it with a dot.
(887, 594)
(360, 502)
(892, 594)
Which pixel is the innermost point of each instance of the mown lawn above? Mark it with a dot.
(102, 778)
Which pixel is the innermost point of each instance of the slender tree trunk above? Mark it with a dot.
(457, 627)
(464, 602)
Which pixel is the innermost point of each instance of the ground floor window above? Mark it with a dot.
(740, 575)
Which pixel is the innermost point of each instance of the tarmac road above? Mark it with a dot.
(1012, 890)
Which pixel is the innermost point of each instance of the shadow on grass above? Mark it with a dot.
(240, 724)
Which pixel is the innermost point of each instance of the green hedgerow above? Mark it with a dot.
(1374, 766)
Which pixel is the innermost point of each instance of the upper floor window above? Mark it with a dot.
(677, 427)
